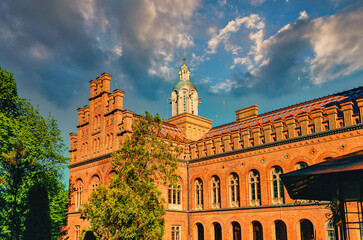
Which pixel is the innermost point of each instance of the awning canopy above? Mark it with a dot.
(323, 181)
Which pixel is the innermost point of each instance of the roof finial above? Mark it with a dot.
(184, 59)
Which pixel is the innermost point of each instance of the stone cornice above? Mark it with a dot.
(113, 111)
(98, 95)
(249, 149)
(83, 124)
(91, 160)
(281, 142)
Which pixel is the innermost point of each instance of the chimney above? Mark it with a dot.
(246, 113)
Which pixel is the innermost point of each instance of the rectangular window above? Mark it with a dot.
(175, 232)
(77, 231)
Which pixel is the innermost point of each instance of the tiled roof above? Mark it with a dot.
(169, 131)
(293, 110)
(172, 131)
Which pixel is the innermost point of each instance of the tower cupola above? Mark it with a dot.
(184, 96)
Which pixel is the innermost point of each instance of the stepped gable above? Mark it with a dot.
(169, 131)
(293, 110)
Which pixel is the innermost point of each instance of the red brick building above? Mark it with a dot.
(229, 174)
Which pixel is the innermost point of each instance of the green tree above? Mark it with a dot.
(17, 166)
(42, 143)
(131, 206)
(38, 223)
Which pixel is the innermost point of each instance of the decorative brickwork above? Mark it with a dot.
(229, 175)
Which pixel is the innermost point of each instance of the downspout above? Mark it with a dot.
(188, 200)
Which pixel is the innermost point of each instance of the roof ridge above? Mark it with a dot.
(294, 105)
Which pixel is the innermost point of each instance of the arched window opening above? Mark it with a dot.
(300, 165)
(175, 232)
(331, 231)
(277, 186)
(174, 196)
(111, 140)
(107, 140)
(79, 193)
(257, 231)
(255, 190)
(234, 190)
(198, 194)
(307, 230)
(280, 230)
(236, 227)
(216, 192)
(217, 231)
(200, 231)
(95, 180)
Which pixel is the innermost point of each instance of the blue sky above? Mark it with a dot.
(240, 53)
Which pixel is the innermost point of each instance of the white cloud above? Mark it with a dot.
(252, 22)
(225, 86)
(334, 43)
(338, 45)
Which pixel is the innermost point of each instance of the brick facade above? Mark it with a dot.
(306, 133)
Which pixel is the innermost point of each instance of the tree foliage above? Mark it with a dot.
(37, 223)
(131, 206)
(30, 146)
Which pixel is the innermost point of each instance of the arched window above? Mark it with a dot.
(79, 193)
(236, 228)
(111, 140)
(257, 230)
(200, 231)
(107, 140)
(300, 165)
(234, 190)
(216, 192)
(175, 232)
(217, 231)
(255, 190)
(95, 180)
(280, 230)
(174, 196)
(331, 231)
(98, 144)
(198, 194)
(306, 230)
(277, 186)
(184, 101)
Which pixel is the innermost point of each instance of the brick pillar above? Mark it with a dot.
(226, 143)
(304, 122)
(291, 126)
(217, 144)
(360, 105)
(119, 95)
(236, 140)
(208, 145)
(347, 108)
(80, 112)
(317, 116)
(193, 151)
(86, 113)
(267, 129)
(256, 133)
(279, 126)
(332, 112)
(127, 118)
(246, 137)
(106, 79)
(92, 85)
(201, 149)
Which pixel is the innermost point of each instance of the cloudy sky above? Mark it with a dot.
(240, 52)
